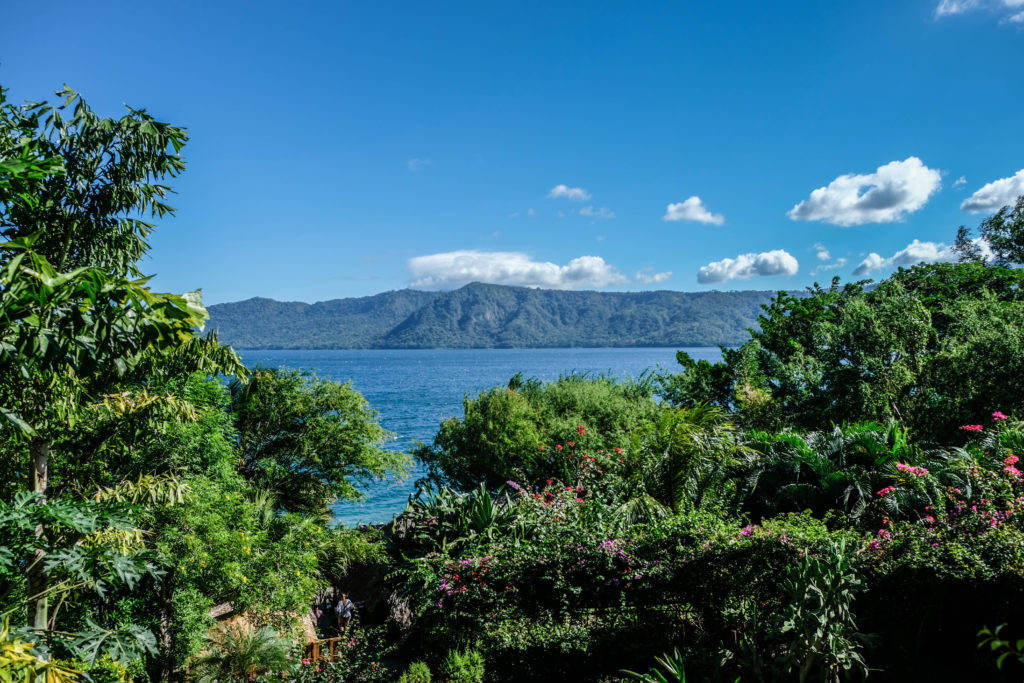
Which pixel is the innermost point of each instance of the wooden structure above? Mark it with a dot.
(325, 649)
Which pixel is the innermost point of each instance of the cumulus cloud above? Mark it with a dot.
(417, 164)
(692, 209)
(744, 266)
(996, 195)
(647, 275)
(885, 196)
(914, 253)
(821, 251)
(591, 212)
(576, 194)
(456, 268)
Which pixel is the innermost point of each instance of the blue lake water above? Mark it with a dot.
(414, 390)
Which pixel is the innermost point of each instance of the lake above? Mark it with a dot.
(414, 390)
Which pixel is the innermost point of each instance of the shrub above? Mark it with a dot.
(463, 666)
(418, 672)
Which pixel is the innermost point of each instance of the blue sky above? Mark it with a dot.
(343, 149)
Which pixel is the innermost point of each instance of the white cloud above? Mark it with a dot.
(1006, 10)
(830, 267)
(456, 268)
(885, 196)
(692, 209)
(960, 182)
(950, 7)
(744, 266)
(647, 275)
(996, 195)
(417, 164)
(576, 194)
(603, 212)
(821, 251)
(914, 253)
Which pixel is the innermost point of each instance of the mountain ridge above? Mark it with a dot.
(481, 315)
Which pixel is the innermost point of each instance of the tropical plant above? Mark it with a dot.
(686, 456)
(19, 664)
(672, 670)
(817, 621)
(240, 651)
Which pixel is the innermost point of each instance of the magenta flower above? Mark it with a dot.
(998, 416)
(886, 491)
(971, 428)
(1011, 459)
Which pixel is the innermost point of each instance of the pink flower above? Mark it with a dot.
(1012, 471)
(558, 447)
(1011, 459)
(910, 469)
(618, 451)
(581, 429)
(998, 416)
(886, 491)
(747, 530)
(929, 519)
(579, 500)
(971, 428)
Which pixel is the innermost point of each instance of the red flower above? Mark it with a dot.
(559, 446)
(581, 430)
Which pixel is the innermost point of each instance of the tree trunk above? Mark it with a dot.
(39, 604)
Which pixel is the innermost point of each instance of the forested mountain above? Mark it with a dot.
(493, 316)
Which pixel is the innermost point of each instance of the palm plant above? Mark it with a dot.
(844, 469)
(239, 651)
(686, 458)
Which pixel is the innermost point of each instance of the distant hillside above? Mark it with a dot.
(492, 316)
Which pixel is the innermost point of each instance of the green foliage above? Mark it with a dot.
(515, 432)
(307, 441)
(817, 621)
(932, 347)
(463, 666)
(418, 672)
(19, 664)
(90, 213)
(1003, 232)
(672, 670)
(994, 641)
(237, 652)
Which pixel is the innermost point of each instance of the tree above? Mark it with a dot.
(1003, 232)
(77, 324)
(92, 213)
(308, 441)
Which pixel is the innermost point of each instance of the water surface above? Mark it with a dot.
(413, 390)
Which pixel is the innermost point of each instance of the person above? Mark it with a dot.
(345, 608)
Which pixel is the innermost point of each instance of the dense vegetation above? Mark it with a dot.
(840, 498)
(492, 316)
